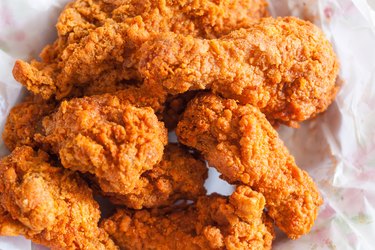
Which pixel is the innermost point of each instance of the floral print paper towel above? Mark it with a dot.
(337, 148)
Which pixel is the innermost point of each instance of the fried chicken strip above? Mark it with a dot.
(24, 121)
(49, 205)
(244, 147)
(214, 222)
(100, 37)
(99, 135)
(284, 66)
(179, 176)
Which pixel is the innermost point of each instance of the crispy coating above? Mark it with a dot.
(100, 37)
(240, 142)
(49, 205)
(100, 135)
(214, 222)
(284, 66)
(179, 176)
(144, 96)
(24, 121)
(8, 226)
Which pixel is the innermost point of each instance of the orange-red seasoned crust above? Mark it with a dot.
(25, 120)
(284, 66)
(213, 222)
(179, 176)
(97, 38)
(101, 135)
(47, 204)
(240, 142)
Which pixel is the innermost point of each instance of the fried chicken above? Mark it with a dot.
(284, 66)
(24, 121)
(244, 147)
(49, 205)
(96, 38)
(102, 136)
(214, 222)
(179, 176)
(8, 226)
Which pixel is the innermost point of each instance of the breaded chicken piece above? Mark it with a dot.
(99, 135)
(214, 222)
(174, 107)
(24, 121)
(179, 176)
(284, 66)
(100, 37)
(49, 205)
(244, 147)
(8, 226)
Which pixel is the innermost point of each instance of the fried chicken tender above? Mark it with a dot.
(24, 121)
(244, 147)
(100, 37)
(214, 222)
(284, 66)
(99, 135)
(49, 205)
(179, 176)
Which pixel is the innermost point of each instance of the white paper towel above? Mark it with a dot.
(337, 148)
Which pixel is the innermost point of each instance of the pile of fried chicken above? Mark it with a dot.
(122, 74)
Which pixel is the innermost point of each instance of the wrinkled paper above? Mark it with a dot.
(337, 148)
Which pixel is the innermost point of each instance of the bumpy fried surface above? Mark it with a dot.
(116, 142)
(24, 121)
(49, 205)
(240, 142)
(8, 226)
(284, 66)
(179, 176)
(174, 107)
(214, 222)
(96, 38)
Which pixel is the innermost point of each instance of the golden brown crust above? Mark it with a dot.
(8, 226)
(49, 205)
(284, 66)
(240, 142)
(24, 121)
(214, 222)
(99, 37)
(179, 176)
(100, 135)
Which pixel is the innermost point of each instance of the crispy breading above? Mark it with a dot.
(8, 226)
(96, 38)
(244, 147)
(47, 204)
(214, 222)
(24, 121)
(100, 135)
(179, 176)
(284, 66)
